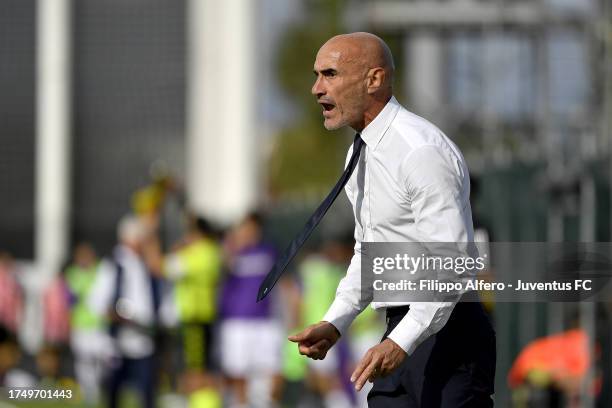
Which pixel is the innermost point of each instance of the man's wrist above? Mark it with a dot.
(340, 314)
(394, 344)
(338, 334)
(406, 334)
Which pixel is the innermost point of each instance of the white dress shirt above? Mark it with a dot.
(411, 185)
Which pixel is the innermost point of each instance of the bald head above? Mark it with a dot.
(354, 79)
(365, 50)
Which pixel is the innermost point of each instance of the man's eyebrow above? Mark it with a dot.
(325, 72)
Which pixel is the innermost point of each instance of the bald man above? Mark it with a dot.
(411, 184)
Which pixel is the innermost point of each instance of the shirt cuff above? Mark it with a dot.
(407, 333)
(341, 315)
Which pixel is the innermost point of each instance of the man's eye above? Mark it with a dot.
(329, 73)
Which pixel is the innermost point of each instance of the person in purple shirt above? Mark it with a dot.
(246, 324)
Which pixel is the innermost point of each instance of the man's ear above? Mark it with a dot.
(375, 79)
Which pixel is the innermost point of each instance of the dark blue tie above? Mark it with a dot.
(282, 262)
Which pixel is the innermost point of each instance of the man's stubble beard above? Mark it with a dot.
(352, 113)
(342, 122)
(334, 127)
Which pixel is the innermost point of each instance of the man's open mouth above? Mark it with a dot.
(327, 107)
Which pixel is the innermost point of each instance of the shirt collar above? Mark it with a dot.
(375, 130)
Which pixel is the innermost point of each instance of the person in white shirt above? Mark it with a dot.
(125, 292)
(411, 184)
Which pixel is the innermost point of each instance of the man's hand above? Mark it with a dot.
(379, 361)
(316, 340)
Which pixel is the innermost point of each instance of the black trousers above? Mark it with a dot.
(451, 369)
(141, 373)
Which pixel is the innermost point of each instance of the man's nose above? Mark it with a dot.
(317, 88)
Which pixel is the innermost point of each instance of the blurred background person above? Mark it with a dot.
(250, 334)
(550, 371)
(88, 339)
(128, 295)
(294, 366)
(320, 274)
(11, 295)
(12, 375)
(194, 267)
(56, 306)
(52, 358)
